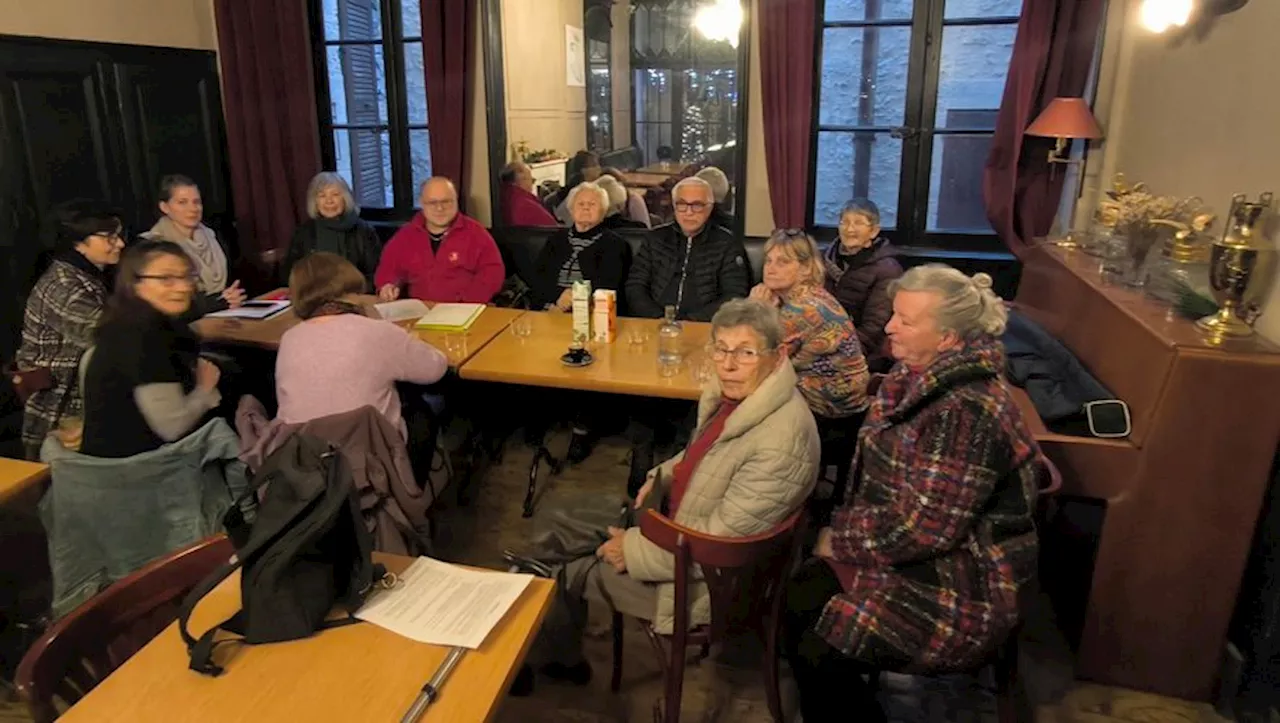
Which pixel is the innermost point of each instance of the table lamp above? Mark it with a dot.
(1063, 119)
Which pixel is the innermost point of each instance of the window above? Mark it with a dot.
(372, 91)
(907, 99)
(684, 85)
(598, 27)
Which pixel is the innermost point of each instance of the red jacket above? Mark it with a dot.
(522, 208)
(467, 268)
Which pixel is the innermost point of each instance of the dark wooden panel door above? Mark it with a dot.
(55, 145)
(172, 116)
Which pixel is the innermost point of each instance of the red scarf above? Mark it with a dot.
(698, 448)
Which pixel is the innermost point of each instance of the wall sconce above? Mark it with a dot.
(1161, 15)
(1064, 119)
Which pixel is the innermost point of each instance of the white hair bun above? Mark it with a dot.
(982, 281)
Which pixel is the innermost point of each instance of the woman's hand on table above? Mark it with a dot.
(388, 292)
(233, 294)
(565, 302)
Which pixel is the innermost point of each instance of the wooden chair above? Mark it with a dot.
(1004, 660)
(745, 576)
(89, 643)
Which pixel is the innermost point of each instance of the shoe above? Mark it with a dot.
(580, 446)
(522, 686)
(578, 674)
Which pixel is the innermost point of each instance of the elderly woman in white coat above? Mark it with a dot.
(749, 465)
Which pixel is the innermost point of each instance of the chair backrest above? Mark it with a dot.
(89, 643)
(744, 575)
(1054, 484)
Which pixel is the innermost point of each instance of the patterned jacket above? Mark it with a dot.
(57, 328)
(939, 535)
(824, 350)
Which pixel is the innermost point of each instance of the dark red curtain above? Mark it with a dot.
(270, 104)
(1052, 57)
(786, 73)
(446, 52)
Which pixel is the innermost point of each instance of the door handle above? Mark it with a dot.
(904, 132)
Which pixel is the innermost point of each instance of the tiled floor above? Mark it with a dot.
(714, 692)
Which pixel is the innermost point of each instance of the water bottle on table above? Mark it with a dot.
(669, 346)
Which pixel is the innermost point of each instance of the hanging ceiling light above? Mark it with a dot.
(720, 21)
(1160, 15)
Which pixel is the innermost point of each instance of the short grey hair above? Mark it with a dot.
(966, 305)
(761, 318)
(589, 186)
(323, 180)
(864, 207)
(717, 180)
(694, 181)
(422, 187)
(617, 194)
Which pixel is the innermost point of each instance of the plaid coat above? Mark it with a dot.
(57, 327)
(939, 535)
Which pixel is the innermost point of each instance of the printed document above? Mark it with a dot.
(442, 604)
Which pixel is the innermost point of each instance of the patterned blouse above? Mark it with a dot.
(57, 328)
(824, 350)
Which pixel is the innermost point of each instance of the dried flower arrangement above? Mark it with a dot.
(1138, 214)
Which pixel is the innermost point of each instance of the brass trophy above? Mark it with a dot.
(1240, 266)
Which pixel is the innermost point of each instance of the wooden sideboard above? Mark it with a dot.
(1182, 493)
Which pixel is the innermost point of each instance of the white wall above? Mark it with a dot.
(1196, 118)
(542, 109)
(169, 23)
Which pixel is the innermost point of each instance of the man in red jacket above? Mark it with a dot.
(440, 255)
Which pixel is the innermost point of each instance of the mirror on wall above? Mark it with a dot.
(646, 91)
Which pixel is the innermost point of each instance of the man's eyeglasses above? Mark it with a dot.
(171, 280)
(695, 206)
(112, 237)
(743, 355)
(440, 204)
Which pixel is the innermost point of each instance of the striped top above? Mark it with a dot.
(579, 241)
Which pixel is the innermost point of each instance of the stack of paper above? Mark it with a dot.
(442, 604)
(256, 309)
(450, 317)
(402, 310)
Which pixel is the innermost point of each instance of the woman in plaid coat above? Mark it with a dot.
(921, 567)
(62, 311)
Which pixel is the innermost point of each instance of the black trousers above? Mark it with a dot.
(831, 686)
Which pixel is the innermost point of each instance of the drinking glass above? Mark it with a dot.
(667, 369)
(637, 335)
(455, 345)
(522, 328)
(700, 371)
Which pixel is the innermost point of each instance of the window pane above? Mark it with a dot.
(983, 9)
(357, 85)
(411, 18)
(868, 10)
(973, 68)
(955, 184)
(352, 19)
(653, 112)
(364, 157)
(856, 164)
(415, 83)
(856, 95)
(420, 155)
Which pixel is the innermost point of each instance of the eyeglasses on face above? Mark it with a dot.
(112, 237)
(855, 222)
(171, 280)
(743, 355)
(695, 206)
(446, 203)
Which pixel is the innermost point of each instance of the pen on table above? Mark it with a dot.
(431, 690)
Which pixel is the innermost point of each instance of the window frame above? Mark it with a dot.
(927, 24)
(398, 127)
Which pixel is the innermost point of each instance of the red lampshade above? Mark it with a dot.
(1066, 118)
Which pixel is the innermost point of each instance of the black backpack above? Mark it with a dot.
(306, 550)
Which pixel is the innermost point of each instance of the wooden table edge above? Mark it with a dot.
(610, 387)
(526, 645)
(20, 487)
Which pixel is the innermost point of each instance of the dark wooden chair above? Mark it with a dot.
(80, 650)
(745, 576)
(1004, 660)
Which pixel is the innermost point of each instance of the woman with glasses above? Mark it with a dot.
(61, 313)
(144, 381)
(751, 463)
(182, 223)
(816, 331)
(920, 569)
(859, 269)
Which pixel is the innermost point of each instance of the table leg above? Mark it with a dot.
(540, 454)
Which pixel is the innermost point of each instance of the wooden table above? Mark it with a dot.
(665, 169)
(265, 334)
(619, 368)
(18, 476)
(636, 179)
(355, 673)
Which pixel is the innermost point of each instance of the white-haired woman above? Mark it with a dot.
(617, 216)
(585, 251)
(920, 569)
(334, 225)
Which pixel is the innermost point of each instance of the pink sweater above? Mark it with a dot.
(333, 364)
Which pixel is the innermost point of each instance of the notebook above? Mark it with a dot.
(402, 310)
(450, 317)
(255, 309)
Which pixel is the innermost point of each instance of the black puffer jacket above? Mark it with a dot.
(715, 271)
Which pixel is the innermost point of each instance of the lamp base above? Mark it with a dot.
(1225, 323)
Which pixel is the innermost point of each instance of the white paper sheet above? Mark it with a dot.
(444, 604)
(402, 310)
